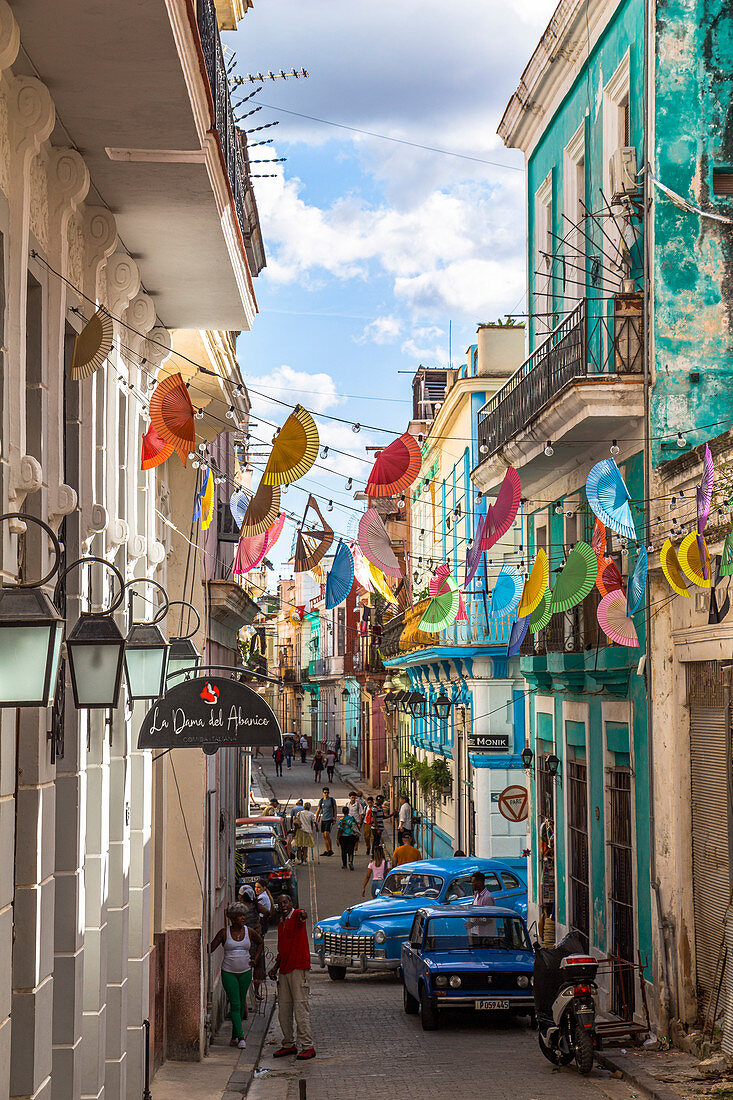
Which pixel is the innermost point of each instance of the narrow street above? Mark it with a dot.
(365, 1042)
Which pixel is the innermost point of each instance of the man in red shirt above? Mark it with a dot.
(291, 969)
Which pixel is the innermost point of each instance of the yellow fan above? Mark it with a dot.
(535, 585)
(92, 345)
(689, 557)
(671, 569)
(294, 451)
(379, 582)
(207, 503)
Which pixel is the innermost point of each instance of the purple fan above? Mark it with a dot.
(704, 496)
(474, 552)
(517, 636)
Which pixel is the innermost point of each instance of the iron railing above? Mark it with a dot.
(584, 345)
(572, 631)
(223, 114)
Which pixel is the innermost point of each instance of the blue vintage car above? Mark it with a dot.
(480, 959)
(369, 936)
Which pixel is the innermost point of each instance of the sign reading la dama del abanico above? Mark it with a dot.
(210, 712)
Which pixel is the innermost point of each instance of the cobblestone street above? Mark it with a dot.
(367, 1045)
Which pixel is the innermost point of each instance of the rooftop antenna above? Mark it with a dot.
(450, 345)
(253, 78)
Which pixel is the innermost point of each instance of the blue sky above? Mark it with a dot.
(374, 247)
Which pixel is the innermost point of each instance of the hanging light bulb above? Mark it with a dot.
(349, 484)
(483, 449)
(195, 464)
(549, 449)
(558, 509)
(191, 455)
(356, 429)
(421, 536)
(470, 543)
(324, 452)
(202, 447)
(230, 413)
(614, 448)
(199, 414)
(680, 439)
(330, 505)
(420, 437)
(419, 561)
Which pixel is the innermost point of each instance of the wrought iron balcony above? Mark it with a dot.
(584, 346)
(402, 634)
(571, 631)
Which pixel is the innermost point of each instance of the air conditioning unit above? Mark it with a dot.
(623, 173)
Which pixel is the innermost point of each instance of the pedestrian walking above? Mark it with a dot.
(288, 747)
(376, 871)
(404, 819)
(406, 852)
(326, 815)
(330, 764)
(253, 920)
(367, 824)
(291, 970)
(356, 809)
(239, 943)
(347, 835)
(303, 745)
(337, 748)
(277, 756)
(378, 816)
(318, 765)
(305, 829)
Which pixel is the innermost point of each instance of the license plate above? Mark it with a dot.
(338, 960)
(248, 879)
(495, 1003)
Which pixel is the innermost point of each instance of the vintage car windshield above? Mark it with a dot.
(462, 933)
(409, 884)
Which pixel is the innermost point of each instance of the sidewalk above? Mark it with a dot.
(665, 1074)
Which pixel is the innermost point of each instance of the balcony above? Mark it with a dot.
(589, 369)
(571, 631)
(402, 634)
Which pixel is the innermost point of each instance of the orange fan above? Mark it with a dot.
(171, 412)
(295, 449)
(395, 468)
(155, 450)
(262, 510)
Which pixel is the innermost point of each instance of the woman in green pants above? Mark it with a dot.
(242, 946)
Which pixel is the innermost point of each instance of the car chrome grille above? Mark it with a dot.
(498, 982)
(350, 947)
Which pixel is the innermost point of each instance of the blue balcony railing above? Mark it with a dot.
(475, 630)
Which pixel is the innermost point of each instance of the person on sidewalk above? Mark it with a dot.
(406, 853)
(376, 871)
(378, 816)
(337, 748)
(404, 820)
(288, 749)
(325, 816)
(356, 809)
(277, 756)
(253, 920)
(330, 764)
(265, 904)
(291, 970)
(368, 824)
(347, 833)
(305, 829)
(318, 765)
(239, 943)
(303, 744)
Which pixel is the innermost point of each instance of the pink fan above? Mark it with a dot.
(437, 582)
(361, 567)
(501, 515)
(615, 622)
(461, 617)
(474, 552)
(251, 549)
(704, 496)
(376, 545)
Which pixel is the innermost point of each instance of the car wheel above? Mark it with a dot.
(337, 973)
(411, 1003)
(583, 1049)
(428, 1012)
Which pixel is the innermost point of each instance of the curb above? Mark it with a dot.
(241, 1079)
(636, 1075)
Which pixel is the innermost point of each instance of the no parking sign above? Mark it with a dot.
(513, 803)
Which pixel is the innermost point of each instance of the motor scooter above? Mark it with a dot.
(566, 999)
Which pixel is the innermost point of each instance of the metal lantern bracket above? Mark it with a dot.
(89, 561)
(54, 542)
(185, 603)
(147, 580)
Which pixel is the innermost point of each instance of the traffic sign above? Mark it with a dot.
(513, 803)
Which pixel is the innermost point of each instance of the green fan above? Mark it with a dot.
(442, 609)
(542, 614)
(726, 561)
(576, 579)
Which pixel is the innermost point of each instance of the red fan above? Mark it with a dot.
(171, 412)
(608, 578)
(155, 450)
(501, 515)
(395, 468)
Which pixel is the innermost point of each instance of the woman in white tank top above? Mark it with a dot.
(242, 946)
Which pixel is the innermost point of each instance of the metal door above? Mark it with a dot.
(578, 860)
(621, 891)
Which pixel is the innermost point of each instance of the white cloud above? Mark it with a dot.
(317, 392)
(427, 344)
(382, 330)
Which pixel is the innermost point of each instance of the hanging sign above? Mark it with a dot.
(513, 803)
(209, 713)
(488, 742)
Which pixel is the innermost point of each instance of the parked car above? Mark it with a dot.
(263, 826)
(263, 858)
(369, 936)
(479, 960)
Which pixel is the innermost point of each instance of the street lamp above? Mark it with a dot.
(390, 702)
(416, 704)
(182, 653)
(146, 652)
(31, 631)
(527, 757)
(553, 764)
(401, 698)
(442, 705)
(95, 648)
(345, 694)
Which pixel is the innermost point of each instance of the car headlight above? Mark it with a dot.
(441, 980)
(380, 936)
(522, 981)
(318, 932)
(455, 981)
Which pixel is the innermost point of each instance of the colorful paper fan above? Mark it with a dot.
(672, 569)
(262, 510)
(507, 593)
(379, 582)
(535, 585)
(297, 614)
(340, 576)
(726, 561)
(542, 614)
(171, 412)
(207, 502)
(501, 515)
(609, 498)
(376, 545)
(361, 567)
(155, 450)
(704, 491)
(614, 621)
(441, 610)
(294, 451)
(517, 635)
(694, 567)
(716, 613)
(312, 543)
(474, 551)
(250, 552)
(576, 579)
(608, 578)
(637, 583)
(92, 345)
(462, 616)
(275, 531)
(437, 581)
(200, 496)
(238, 502)
(598, 539)
(395, 468)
